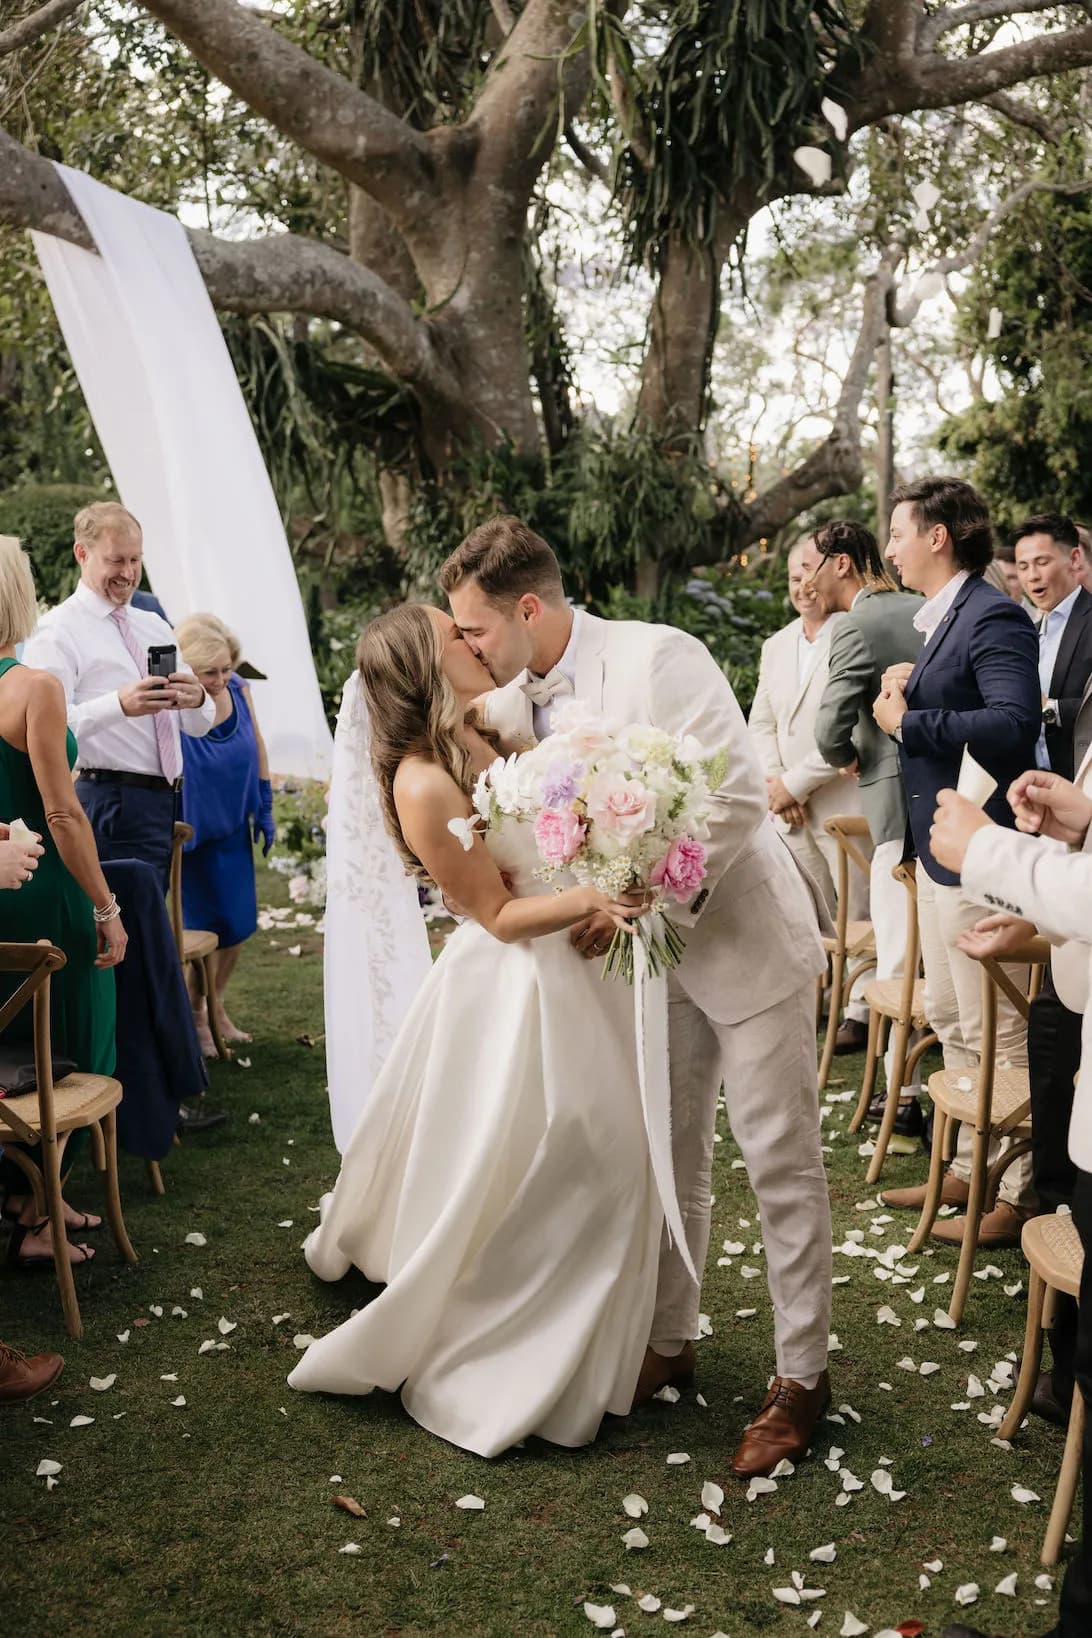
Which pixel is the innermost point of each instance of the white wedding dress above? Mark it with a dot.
(499, 1185)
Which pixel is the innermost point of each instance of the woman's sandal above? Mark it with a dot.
(39, 1260)
(84, 1227)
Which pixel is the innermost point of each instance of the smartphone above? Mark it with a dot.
(162, 660)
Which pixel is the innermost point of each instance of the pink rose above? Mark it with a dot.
(559, 834)
(621, 810)
(681, 871)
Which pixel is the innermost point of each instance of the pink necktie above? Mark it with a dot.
(170, 752)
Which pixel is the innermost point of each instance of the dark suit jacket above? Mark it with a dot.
(1072, 669)
(975, 685)
(148, 600)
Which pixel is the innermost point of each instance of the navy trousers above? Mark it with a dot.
(131, 823)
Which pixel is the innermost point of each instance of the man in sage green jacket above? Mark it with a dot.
(848, 575)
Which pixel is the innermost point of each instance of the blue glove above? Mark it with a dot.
(263, 824)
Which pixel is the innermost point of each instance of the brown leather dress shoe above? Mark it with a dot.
(21, 1378)
(998, 1228)
(852, 1036)
(953, 1192)
(658, 1372)
(783, 1427)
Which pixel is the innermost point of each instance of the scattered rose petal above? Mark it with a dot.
(649, 1603)
(475, 1504)
(351, 1547)
(634, 1506)
(180, 1401)
(1007, 1586)
(101, 1383)
(226, 1326)
(81, 1421)
(786, 1595)
(967, 1594)
(349, 1504)
(851, 1627)
(46, 1467)
(635, 1540)
(600, 1615)
(679, 1615)
(717, 1535)
(678, 1458)
(824, 1555)
(712, 1496)
(1023, 1496)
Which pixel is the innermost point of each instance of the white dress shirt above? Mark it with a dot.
(82, 646)
(542, 715)
(807, 656)
(930, 615)
(1051, 631)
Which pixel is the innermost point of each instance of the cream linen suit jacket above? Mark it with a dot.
(782, 726)
(752, 935)
(1051, 885)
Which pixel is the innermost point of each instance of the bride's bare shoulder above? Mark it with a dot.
(418, 780)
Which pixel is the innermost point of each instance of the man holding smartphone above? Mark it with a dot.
(129, 699)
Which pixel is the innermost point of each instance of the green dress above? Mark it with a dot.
(52, 905)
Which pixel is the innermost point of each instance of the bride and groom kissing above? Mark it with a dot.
(500, 1184)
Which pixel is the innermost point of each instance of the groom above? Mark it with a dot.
(741, 1006)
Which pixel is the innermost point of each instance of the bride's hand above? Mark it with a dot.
(622, 911)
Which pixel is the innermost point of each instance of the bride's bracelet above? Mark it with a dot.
(110, 911)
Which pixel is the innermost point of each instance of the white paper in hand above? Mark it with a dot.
(974, 782)
(19, 831)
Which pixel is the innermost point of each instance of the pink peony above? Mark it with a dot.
(621, 810)
(681, 871)
(559, 833)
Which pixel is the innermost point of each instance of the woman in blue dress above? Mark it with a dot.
(228, 799)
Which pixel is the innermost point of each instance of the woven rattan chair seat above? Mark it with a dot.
(1053, 1248)
(885, 995)
(1011, 1095)
(77, 1100)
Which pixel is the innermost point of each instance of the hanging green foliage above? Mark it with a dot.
(736, 88)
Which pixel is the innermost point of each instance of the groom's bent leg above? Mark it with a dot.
(771, 1091)
(695, 1087)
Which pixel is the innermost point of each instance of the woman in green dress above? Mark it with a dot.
(66, 899)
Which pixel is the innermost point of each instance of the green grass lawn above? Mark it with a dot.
(215, 1516)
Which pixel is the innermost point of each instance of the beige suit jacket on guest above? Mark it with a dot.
(751, 933)
(1051, 885)
(782, 726)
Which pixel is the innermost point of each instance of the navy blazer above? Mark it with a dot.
(976, 685)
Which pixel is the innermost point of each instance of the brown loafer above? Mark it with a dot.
(953, 1192)
(21, 1378)
(658, 1372)
(783, 1428)
(852, 1036)
(999, 1228)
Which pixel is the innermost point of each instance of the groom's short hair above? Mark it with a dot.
(508, 560)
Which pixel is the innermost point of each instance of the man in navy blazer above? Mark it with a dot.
(975, 686)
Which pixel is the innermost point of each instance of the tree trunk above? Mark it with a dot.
(885, 446)
(675, 376)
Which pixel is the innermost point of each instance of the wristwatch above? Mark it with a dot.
(1051, 717)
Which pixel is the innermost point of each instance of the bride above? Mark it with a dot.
(498, 1183)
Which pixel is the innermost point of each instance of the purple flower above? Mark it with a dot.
(560, 785)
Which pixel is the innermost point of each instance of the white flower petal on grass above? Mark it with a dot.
(154, 1308)
(207, 1347)
(667, 1394)
(1007, 1586)
(351, 1547)
(734, 1248)
(943, 1320)
(101, 1383)
(850, 1480)
(1023, 1496)
(650, 1603)
(712, 1496)
(635, 1540)
(285, 1223)
(924, 1583)
(967, 1594)
(815, 164)
(762, 1486)
(179, 1313)
(278, 1318)
(81, 1421)
(768, 1558)
(918, 1295)
(927, 1367)
(195, 1240)
(851, 1627)
(197, 1293)
(786, 1595)
(783, 1470)
(746, 1313)
(46, 1467)
(701, 1522)
(123, 1336)
(717, 1535)
(998, 1544)
(171, 1376)
(882, 1481)
(1045, 1583)
(836, 117)
(679, 1615)
(934, 1565)
(255, 1119)
(887, 1316)
(824, 1555)
(179, 1402)
(600, 1615)
(475, 1504)
(226, 1326)
(678, 1458)
(905, 1364)
(634, 1506)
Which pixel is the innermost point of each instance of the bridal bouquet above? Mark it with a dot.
(620, 811)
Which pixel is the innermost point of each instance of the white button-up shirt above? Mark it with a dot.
(542, 715)
(807, 656)
(82, 646)
(1051, 631)
(930, 615)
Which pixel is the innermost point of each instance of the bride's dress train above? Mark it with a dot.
(499, 1185)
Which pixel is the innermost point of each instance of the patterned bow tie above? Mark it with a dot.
(544, 690)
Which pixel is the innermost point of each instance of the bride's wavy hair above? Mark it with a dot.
(412, 709)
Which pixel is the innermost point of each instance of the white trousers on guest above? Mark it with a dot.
(768, 1069)
(953, 1000)
(889, 901)
(818, 853)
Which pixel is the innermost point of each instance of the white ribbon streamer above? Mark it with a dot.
(653, 1077)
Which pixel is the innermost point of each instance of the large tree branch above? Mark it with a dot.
(890, 27)
(321, 111)
(950, 18)
(285, 273)
(537, 68)
(836, 466)
(933, 81)
(38, 23)
(1022, 113)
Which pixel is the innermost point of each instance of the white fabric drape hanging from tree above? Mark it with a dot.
(166, 403)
